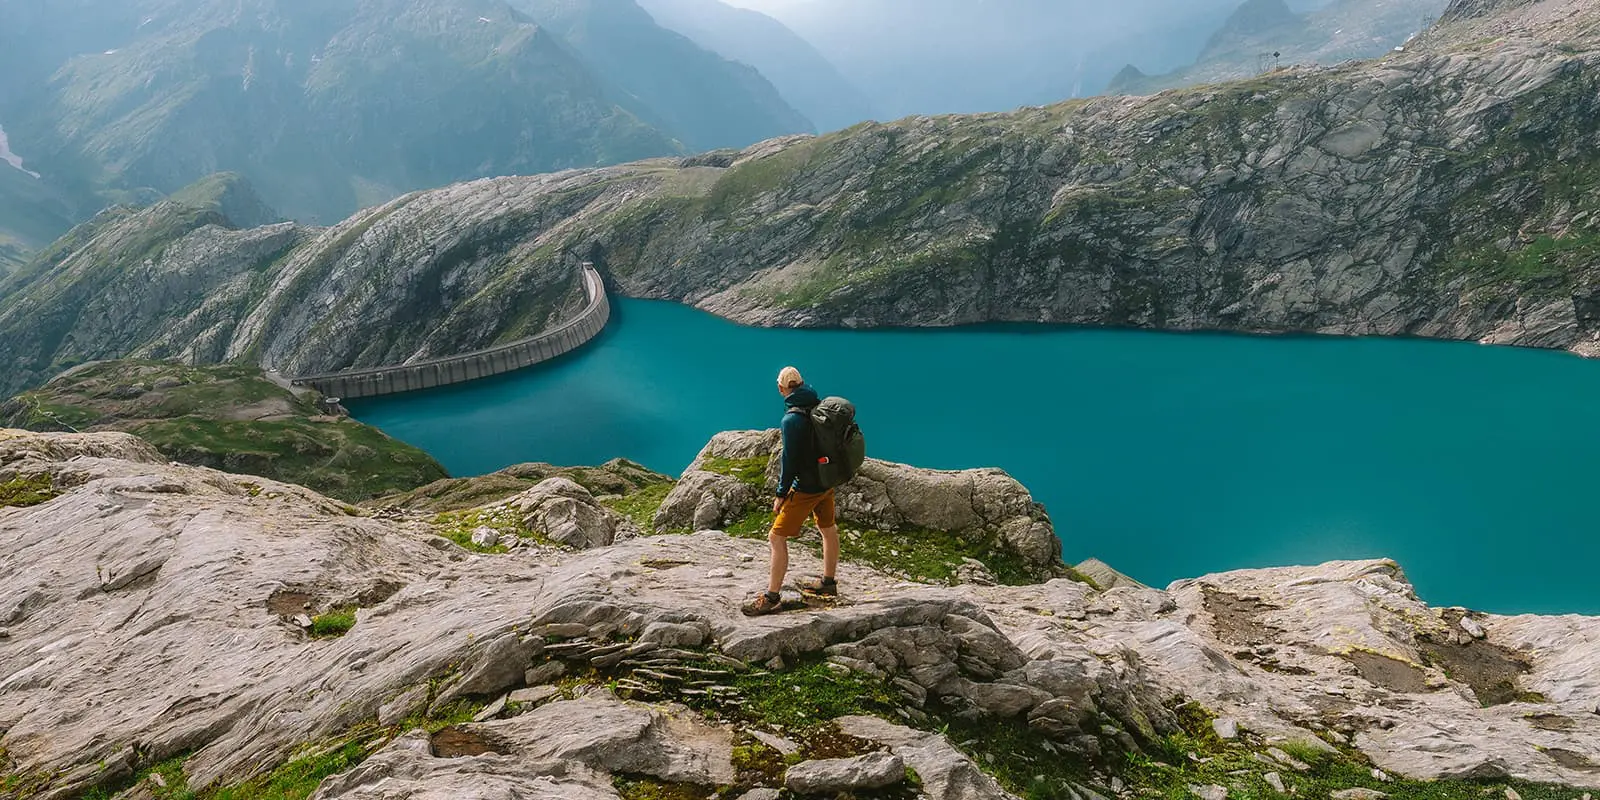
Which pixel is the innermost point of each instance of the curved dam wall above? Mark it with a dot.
(479, 363)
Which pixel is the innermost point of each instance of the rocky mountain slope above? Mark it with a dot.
(1342, 30)
(665, 78)
(184, 280)
(328, 108)
(1447, 191)
(227, 417)
(805, 78)
(172, 631)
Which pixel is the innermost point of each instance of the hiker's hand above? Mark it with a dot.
(777, 504)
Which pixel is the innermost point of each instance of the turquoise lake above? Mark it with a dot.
(1166, 455)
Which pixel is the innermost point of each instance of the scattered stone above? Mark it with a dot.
(491, 711)
(975, 572)
(1511, 794)
(1226, 727)
(1276, 782)
(1209, 792)
(745, 558)
(835, 775)
(5, 633)
(544, 673)
(160, 782)
(777, 743)
(526, 699)
(1358, 793)
(1380, 775)
(1472, 628)
(1287, 760)
(302, 620)
(485, 537)
(1117, 785)
(720, 573)
(564, 630)
(761, 794)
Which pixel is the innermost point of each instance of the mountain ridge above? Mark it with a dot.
(1446, 191)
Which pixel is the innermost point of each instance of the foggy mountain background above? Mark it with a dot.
(329, 106)
(962, 56)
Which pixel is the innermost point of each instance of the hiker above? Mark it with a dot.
(814, 462)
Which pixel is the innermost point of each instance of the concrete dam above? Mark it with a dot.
(558, 341)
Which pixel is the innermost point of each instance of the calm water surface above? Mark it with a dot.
(1167, 455)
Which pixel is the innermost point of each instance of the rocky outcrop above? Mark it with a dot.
(566, 513)
(615, 477)
(735, 474)
(200, 414)
(149, 613)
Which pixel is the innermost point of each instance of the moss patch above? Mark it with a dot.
(752, 471)
(641, 506)
(28, 490)
(1195, 756)
(644, 787)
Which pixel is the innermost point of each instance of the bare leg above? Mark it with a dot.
(830, 551)
(780, 562)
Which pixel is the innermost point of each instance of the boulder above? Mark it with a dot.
(979, 504)
(705, 501)
(946, 773)
(840, 775)
(564, 512)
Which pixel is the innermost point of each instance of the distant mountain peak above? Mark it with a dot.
(231, 195)
(1256, 17)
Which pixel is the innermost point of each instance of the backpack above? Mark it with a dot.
(841, 448)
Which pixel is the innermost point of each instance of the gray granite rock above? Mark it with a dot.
(839, 775)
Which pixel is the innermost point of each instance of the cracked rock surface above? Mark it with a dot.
(149, 611)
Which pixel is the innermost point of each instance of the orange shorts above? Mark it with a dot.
(799, 507)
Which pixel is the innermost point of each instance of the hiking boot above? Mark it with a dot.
(764, 604)
(825, 587)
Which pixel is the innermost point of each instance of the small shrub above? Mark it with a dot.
(333, 624)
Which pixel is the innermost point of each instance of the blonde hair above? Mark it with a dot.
(789, 378)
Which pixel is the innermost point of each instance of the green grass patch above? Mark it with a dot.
(812, 694)
(1551, 263)
(297, 779)
(27, 490)
(458, 526)
(1015, 756)
(641, 506)
(644, 787)
(333, 624)
(752, 471)
(926, 556)
(343, 459)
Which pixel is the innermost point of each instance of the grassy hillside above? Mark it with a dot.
(226, 417)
